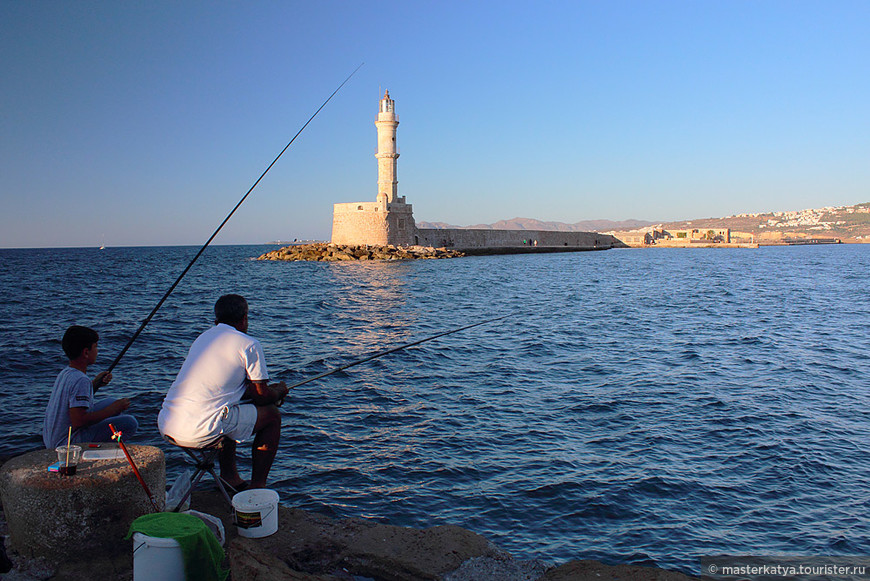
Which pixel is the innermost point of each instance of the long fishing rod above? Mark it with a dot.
(227, 219)
(393, 350)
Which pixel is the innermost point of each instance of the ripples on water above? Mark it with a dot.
(639, 406)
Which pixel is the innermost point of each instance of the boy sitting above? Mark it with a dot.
(72, 398)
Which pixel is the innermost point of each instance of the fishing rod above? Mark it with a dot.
(394, 349)
(227, 219)
(116, 435)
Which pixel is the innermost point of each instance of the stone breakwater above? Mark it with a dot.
(314, 547)
(322, 252)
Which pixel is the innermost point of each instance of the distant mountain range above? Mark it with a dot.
(850, 223)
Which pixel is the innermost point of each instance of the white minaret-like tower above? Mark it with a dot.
(387, 153)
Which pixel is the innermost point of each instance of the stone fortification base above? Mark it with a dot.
(85, 517)
(496, 250)
(322, 252)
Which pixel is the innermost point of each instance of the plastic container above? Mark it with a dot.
(110, 454)
(256, 512)
(180, 489)
(212, 522)
(69, 457)
(157, 559)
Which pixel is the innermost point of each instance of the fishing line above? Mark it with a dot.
(204, 246)
(394, 349)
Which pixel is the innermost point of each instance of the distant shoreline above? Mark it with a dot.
(841, 241)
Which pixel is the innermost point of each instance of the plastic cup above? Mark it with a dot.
(68, 462)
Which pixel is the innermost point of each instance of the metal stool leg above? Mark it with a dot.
(204, 462)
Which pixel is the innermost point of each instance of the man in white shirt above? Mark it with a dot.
(223, 391)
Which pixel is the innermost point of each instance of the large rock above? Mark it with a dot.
(249, 562)
(328, 548)
(389, 552)
(86, 516)
(491, 569)
(596, 571)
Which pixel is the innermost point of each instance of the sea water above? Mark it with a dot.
(637, 406)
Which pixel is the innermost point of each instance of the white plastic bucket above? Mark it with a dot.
(157, 559)
(256, 512)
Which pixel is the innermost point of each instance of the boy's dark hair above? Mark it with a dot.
(77, 339)
(230, 309)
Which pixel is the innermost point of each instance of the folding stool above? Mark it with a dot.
(204, 460)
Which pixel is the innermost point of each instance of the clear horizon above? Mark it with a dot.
(143, 125)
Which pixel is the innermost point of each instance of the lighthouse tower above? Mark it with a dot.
(388, 220)
(388, 153)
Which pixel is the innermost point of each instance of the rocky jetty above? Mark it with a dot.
(314, 547)
(323, 252)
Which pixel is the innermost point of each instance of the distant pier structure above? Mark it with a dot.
(390, 220)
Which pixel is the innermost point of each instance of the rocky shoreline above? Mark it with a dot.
(313, 547)
(323, 252)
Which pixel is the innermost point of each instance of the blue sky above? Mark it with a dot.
(133, 123)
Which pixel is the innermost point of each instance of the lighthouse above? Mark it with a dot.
(387, 220)
(388, 152)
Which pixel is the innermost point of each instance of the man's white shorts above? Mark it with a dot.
(238, 420)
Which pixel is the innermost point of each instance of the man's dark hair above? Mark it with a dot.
(230, 309)
(77, 339)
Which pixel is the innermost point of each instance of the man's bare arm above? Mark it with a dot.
(264, 393)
